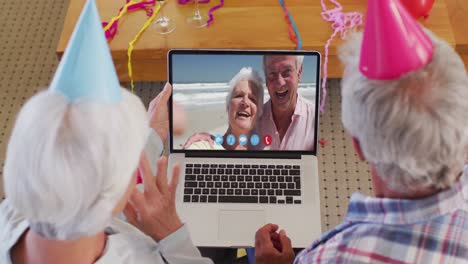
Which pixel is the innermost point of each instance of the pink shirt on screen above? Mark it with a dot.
(300, 134)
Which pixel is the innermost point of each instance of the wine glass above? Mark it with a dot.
(163, 24)
(197, 19)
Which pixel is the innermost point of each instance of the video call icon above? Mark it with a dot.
(254, 140)
(219, 139)
(267, 139)
(231, 139)
(242, 139)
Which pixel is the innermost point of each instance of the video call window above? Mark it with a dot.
(239, 100)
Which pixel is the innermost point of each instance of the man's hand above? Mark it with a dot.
(158, 114)
(203, 136)
(271, 247)
(154, 211)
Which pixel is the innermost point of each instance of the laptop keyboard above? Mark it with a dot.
(241, 183)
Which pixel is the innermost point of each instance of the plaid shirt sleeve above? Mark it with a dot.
(376, 230)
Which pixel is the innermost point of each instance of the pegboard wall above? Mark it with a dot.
(341, 172)
(29, 35)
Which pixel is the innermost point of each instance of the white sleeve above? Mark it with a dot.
(154, 148)
(178, 248)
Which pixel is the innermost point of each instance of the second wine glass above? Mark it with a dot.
(197, 19)
(163, 24)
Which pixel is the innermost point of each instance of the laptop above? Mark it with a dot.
(242, 172)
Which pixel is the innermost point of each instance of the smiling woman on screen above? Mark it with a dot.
(244, 105)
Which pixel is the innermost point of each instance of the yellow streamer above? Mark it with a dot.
(122, 12)
(132, 43)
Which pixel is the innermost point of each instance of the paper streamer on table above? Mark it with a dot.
(111, 28)
(210, 12)
(132, 44)
(183, 2)
(341, 23)
(293, 31)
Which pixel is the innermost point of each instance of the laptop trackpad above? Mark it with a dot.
(240, 226)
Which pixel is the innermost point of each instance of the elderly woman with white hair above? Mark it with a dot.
(408, 120)
(244, 105)
(71, 168)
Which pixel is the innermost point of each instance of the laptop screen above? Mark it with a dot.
(245, 100)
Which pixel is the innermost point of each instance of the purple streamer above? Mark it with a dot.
(212, 10)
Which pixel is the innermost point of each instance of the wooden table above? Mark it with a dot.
(240, 24)
(458, 13)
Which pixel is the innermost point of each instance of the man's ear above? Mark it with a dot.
(357, 148)
(299, 73)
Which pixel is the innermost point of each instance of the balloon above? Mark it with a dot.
(418, 8)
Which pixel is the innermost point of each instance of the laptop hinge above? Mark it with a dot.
(255, 155)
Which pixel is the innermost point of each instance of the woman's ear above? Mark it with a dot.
(357, 148)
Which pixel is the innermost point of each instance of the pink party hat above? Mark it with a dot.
(394, 43)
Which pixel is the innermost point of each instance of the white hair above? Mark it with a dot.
(299, 62)
(412, 129)
(252, 76)
(69, 164)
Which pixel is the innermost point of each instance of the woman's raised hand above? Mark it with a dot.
(154, 211)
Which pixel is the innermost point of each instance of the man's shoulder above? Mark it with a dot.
(306, 102)
(368, 242)
(342, 242)
(265, 118)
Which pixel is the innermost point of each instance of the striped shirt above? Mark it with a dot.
(382, 230)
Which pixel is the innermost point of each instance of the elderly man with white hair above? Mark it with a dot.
(71, 169)
(288, 117)
(408, 120)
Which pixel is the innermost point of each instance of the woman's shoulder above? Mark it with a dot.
(10, 220)
(13, 225)
(126, 244)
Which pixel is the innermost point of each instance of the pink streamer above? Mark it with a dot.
(110, 33)
(210, 12)
(183, 2)
(293, 32)
(341, 23)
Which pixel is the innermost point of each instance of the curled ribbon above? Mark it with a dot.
(210, 12)
(110, 28)
(293, 31)
(132, 44)
(183, 2)
(341, 23)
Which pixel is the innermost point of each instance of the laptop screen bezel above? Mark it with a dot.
(243, 153)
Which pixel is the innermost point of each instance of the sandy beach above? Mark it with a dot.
(212, 119)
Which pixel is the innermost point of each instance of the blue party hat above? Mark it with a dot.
(86, 70)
